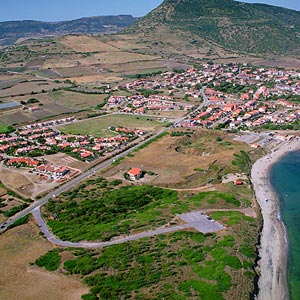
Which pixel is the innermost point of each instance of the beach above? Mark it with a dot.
(274, 246)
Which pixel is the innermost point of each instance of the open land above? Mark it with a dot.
(199, 153)
(194, 165)
(100, 126)
(20, 280)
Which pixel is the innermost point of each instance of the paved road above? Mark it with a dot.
(75, 181)
(201, 222)
(72, 183)
(196, 220)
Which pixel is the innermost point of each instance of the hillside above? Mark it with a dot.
(241, 27)
(13, 30)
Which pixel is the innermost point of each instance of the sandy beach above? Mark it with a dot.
(273, 264)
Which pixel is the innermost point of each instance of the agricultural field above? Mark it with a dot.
(76, 100)
(50, 104)
(204, 157)
(35, 86)
(99, 127)
(86, 44)
(94, 78)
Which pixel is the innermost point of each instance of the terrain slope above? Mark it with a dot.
(230, 25)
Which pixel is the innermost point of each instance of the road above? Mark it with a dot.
(72, 183)
(197, 220)
(75, 181)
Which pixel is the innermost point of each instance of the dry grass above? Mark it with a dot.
(119, 57)
(15, 180)
(174, 162)
(86, 44)
(18, 280)
(26, 184)
(28, 87)
(96, 78)
(135, 67)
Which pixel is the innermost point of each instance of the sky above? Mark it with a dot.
(59, 10)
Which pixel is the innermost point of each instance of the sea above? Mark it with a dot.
(285, 179)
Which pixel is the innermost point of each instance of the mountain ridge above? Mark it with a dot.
(11, 31)
(232, 25)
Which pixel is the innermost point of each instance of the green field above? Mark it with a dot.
(77, 100)
(5, 129)
(98, 127)
(99, 210)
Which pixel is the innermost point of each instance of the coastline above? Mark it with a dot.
(274, 245)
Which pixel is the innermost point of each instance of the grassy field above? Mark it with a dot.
(3, 128)
(20, 247)
(204, 156)
(28, 87)
(97, 210)
(86, 44)
(76, 100)
(99, 126)
(182, 265)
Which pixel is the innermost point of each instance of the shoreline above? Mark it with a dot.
(273, 251)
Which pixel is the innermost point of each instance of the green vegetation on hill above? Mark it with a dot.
(250, 28)
(12, 30)
(181, 265)
(99, 210)
(50, 261)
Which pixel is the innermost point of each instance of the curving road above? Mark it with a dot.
(196, 220)
(75, 181)
(72, 183)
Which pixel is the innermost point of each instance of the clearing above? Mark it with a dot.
(98, 127)
(19, 280)
(185, 161)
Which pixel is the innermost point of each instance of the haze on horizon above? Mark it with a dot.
(61, 10)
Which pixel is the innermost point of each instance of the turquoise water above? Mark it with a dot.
(285, 179)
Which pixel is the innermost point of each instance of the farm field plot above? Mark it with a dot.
(78, 71)
(103, 78)
(15, 117)
(187, 161)
(60, 62)
(135, 67)
(21, 246)
(76, 100)
(29, 87)
(99, 126)
(86, 44)
(126, 44)
(18, 116)
(117, 58)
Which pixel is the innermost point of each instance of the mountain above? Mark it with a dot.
(13, 30)
(241, 27)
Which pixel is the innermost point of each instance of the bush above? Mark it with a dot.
(50, 261)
